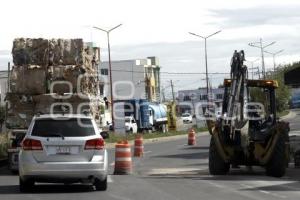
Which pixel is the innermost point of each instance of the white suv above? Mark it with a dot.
(187, 118)
(65, 149)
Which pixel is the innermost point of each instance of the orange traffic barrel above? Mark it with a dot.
(138, 146)
(191, 137)
(123, 161)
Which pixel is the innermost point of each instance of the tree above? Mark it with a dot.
(283, 93)
(2, 116)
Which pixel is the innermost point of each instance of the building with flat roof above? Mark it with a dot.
(132, 79)
(3, 86)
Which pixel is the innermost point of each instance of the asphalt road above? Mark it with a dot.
(170, 171)
(295, 122)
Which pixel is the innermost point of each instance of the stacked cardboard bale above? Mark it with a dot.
(44, 66)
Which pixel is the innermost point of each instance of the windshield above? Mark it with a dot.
(186, 115)
(63, 128)
(127, 120)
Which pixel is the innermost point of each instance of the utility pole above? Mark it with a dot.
(273, 55)
(173, 95)
(8, 77)
(261, 47)
(163, 95)
(205, 48)
(110, 75)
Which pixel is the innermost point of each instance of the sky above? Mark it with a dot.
(160, 28)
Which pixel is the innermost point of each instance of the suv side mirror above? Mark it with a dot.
(104, 135)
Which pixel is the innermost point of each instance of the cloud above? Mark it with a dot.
(258, 15)
(4, 52)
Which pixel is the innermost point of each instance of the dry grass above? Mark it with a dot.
(115, 137)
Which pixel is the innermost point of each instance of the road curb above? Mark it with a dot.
(160, 139)
(291, 114)
(3, 162)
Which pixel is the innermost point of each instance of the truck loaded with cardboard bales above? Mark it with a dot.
(51, 76)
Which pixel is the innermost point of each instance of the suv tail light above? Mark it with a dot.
(32, 145)
(94, 144)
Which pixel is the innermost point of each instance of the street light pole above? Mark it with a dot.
(274, 54)
(173, 95)
(206, 68)
(110, 75)
(261, 47)
(205, 49)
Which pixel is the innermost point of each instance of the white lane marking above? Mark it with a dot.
(147, 152)
(273, 194)
(109, 179)
(279, 196)
(245, 186)
(174, 171)
(216, 185)
(118, 197)
(263, 191)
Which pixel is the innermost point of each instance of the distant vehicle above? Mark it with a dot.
(218, 114)
(130, 125)
(148, 116)
(63, 148)
(16, 136)
(187, 118)
(158, 117)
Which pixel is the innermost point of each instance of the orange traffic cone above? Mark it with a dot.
(138, 146)
(123, 161)
(192, 137)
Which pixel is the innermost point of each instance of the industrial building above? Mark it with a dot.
(190, 100)
(138, 78)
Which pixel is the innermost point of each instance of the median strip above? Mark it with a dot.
(162, 137)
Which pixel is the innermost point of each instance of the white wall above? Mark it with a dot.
(127, 71)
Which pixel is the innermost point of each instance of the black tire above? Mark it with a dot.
(297, 159)
(101, 185)
(26, 185)
(276, 166)
(14, 171)
(217, 166)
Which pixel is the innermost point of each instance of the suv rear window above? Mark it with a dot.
(62, 128)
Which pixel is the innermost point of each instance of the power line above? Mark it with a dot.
(181, 73)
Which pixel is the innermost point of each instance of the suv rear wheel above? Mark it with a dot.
(26, 185)
(101, 185)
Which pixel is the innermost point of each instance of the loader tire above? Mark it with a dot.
(276, 166)
(217, 166)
